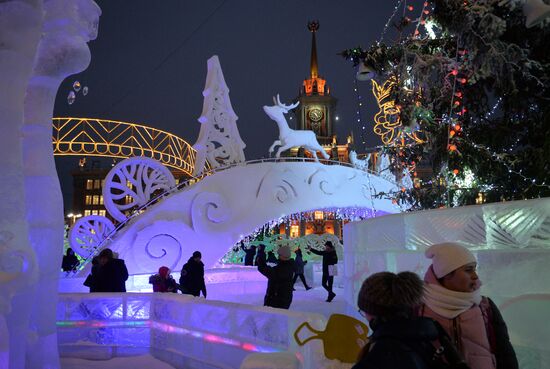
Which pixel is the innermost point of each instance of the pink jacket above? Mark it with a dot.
(467, 331)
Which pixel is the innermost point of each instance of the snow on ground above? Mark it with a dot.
(133, 362)
(310, 301)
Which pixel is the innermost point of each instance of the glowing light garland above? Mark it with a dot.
(358, 113)
(388, 22)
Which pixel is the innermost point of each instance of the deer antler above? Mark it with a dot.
(281, 105)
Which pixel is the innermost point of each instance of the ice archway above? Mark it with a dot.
(216, 212)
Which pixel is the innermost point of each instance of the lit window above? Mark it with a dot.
(89, 184)
(102, 183)
(95, 212)
(128, 184)
(102, 213)
(319, 215)
(128, 199)
(95, 200)
(88, 200)
(87, 212)
(294, 231)
(100, 199)
(97, 183)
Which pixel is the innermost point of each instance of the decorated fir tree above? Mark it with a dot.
(469, 84)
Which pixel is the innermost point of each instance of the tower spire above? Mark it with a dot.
(313, 26)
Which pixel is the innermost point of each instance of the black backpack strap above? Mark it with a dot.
(447, 350)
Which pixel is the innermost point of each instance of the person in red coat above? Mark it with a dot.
(163, 281)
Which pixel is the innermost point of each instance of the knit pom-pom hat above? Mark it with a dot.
(387, 293)
(448, 256)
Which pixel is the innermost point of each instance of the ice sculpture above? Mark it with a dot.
(288, 137)
(214, 213)
(359, 163)
(132, 182)
(219, 140)
(20, 30)
(88, 232)
(43, 42)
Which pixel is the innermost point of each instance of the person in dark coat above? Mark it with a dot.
(329, 258)
(192, 276)
(91, 280)
(111, 273)
(260, 253)
(271, 258)
(279, 278)
(400, 339)
(299, 269)
(250, 253)
(70, 261)
(163, 281)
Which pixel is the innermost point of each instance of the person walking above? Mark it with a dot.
(279, 278)
(192, 276)
(299, 264)
(163, 281)
(111, 273)
(329, 258)
(401, 339)
(473, 321)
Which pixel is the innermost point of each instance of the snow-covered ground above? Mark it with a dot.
(310, 301)
(134, 362)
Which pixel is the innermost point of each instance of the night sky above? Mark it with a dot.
(149, 64)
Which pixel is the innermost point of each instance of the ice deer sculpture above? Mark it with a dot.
(359, 163)
(290, 137)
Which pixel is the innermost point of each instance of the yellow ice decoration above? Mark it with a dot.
(388, 119)
(343, 338)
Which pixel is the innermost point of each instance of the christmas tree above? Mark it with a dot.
(469, 84)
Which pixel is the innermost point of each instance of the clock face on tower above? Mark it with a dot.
(315, 115)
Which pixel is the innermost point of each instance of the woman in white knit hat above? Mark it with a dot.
(452, 297)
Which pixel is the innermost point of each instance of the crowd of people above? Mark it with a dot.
(109, 274)
(440, 322)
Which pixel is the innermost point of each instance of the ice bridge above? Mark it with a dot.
(214, 213)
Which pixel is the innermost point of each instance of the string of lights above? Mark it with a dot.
(497, 157)
(421, 20)
(384, 30)
(358, 115)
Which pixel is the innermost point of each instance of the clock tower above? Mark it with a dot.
(317, 107)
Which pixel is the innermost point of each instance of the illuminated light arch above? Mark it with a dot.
(387, 120)
(109, 138)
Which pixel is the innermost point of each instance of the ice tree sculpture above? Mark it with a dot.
(88, 232)
(20, 31)
(132, 183)
(42, 43)
(219, 139)
(62, 51)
